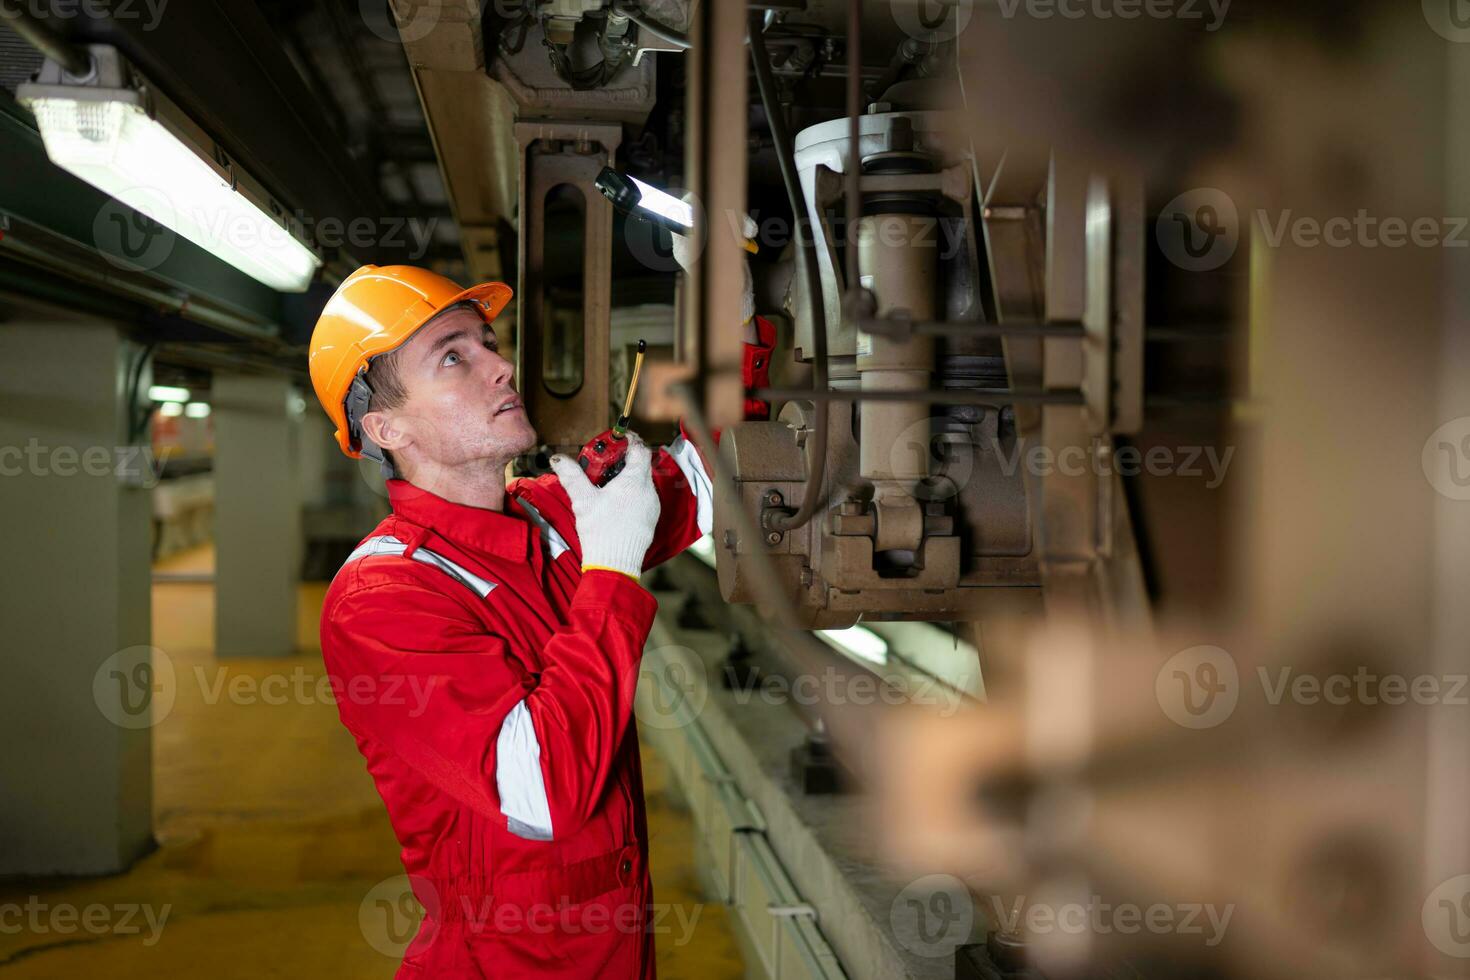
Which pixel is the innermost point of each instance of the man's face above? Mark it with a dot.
(461, 405)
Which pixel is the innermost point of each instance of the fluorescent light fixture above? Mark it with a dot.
(116, 131)
(164, 393)
(663, 203)
(197, 410)
(859, 642)
(171, 410)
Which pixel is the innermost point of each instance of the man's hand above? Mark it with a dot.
(615, 523)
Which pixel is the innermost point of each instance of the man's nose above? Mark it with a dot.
(501, 370)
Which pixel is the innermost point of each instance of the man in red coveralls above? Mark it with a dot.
(514, 614)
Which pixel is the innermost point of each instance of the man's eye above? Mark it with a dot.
(451, 358)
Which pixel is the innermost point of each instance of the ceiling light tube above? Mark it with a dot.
(168, 393)
(116, 131)
(859, 642)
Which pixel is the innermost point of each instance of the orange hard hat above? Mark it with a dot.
(374, 311)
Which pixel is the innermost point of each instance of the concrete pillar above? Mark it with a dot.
(317, 447)
(76, 791)
(257, 515)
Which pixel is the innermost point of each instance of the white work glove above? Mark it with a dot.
(685, 252)
(615, 522)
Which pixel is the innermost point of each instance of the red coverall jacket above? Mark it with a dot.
(489, 685)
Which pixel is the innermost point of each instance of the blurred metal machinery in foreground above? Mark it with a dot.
(1019, 291)
(1334, 831)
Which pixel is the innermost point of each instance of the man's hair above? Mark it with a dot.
(385, 381)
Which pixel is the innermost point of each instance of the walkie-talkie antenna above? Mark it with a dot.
(627, 415)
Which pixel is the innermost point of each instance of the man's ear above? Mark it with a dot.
(386, 431)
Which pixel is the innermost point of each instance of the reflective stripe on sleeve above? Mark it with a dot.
(518, 777)
(686, 457)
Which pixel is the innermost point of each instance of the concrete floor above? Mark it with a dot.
(273, 845)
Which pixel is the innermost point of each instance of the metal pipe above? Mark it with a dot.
(947, 396)
(853, 175)
(637, 15)
(28, 243)
(74, 60)
(786, 156)
(1186, 335)
(901, 327)
(893, 326)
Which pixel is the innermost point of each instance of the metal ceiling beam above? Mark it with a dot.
(349, 47)
(470, 119)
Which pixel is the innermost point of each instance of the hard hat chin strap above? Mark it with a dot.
(359, 397)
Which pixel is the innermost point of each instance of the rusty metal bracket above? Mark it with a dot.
(554, 155)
